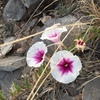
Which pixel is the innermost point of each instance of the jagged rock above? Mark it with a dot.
(67, 20)
(2, 74)
(6, 81)
(5, 49)
(12, 63)
(63, 96)
(91, 90)
(14, 10)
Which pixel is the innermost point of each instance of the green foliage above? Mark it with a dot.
(85, 37)
(28, 85)
(96, 32)
(71, 47)
(17, 89)
(41, 69)
(2, 97)
(67, 9)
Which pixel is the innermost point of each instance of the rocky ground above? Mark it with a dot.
(21, 18)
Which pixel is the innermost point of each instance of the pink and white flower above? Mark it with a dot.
(65, 66)
(53, 33)
(36, 54)
(80, 44)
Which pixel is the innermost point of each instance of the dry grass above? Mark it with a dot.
(93, 10)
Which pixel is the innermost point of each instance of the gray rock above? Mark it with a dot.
(7, 80)
(12, 63)
(35, 3)
(5, 49)
(2, 74)
(29, 3)
(6, 84)
(91, 90)
(14, 10)
(63, 95)
(63, 21)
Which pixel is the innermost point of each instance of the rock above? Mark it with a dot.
(8, 28)
(2, 74)
(63, 21)
(29, 3)
(7, 80)
(63, 95)
(12, 63)
(14, 10)
(92, 90)
(35, 3)
(33, 22)
(5, 49)
(45, 18)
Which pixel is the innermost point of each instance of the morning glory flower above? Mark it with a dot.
(36, 54)
(80, 44)
(65, 66)
(53, 33)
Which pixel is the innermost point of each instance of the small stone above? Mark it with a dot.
(5, 49)
(14, 10)
(12, 63)
(45, 18)
(97, 73)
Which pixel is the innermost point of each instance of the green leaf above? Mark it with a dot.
(71, 47)
(27, 82)
(2, 97)
(40, 71)
(96, 32)
(17, 88)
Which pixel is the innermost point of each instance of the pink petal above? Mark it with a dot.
(65, 66)
(53, 33)
(39, 56)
